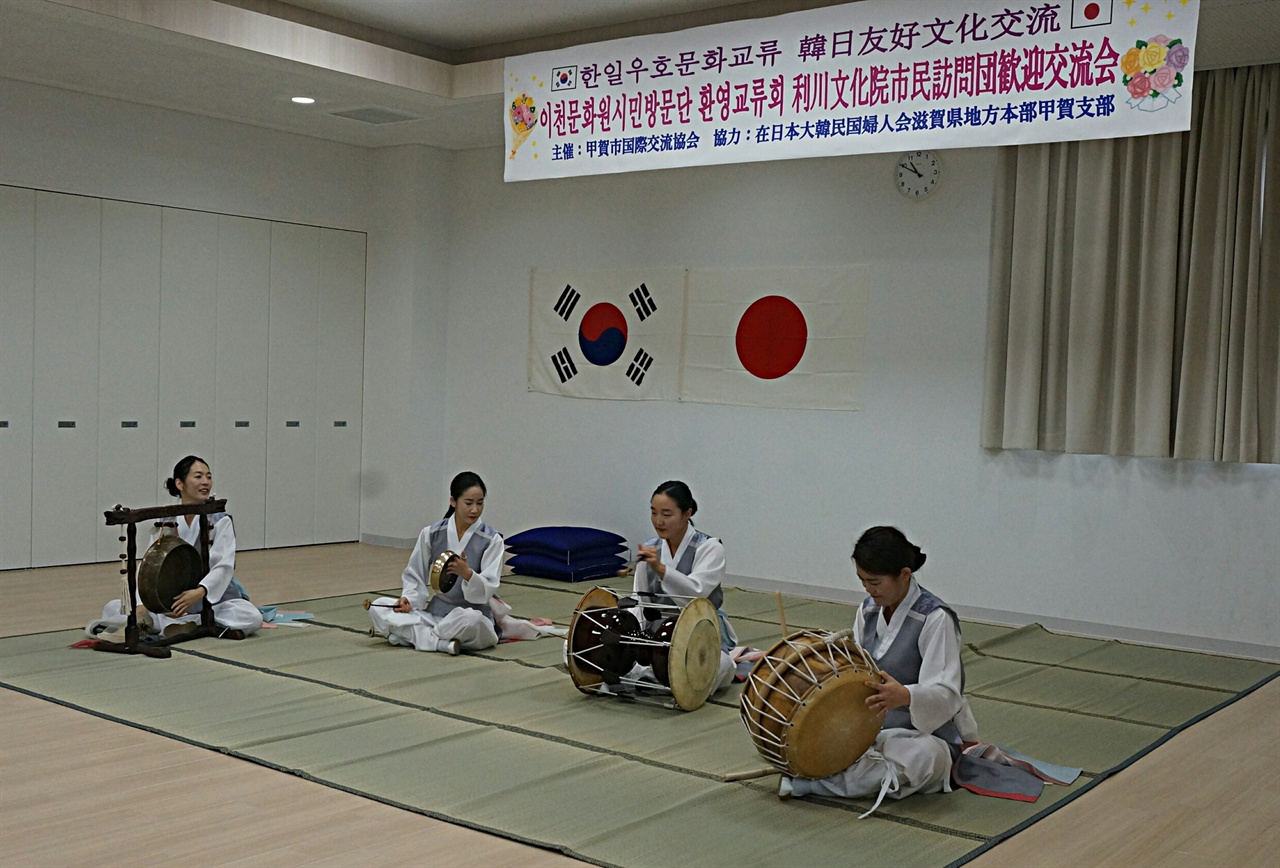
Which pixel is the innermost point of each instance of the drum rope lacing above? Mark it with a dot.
(632, 639)
(773, 746)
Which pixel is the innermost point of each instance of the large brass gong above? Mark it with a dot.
(168, 568)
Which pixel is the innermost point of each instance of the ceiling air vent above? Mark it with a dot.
(375, 115)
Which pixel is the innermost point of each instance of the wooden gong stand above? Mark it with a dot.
(130, 517)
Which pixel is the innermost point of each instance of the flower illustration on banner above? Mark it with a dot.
(523, 116)
(1153, 72)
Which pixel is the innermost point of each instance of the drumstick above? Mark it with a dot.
(782, 617)
(747, 776)
(369, 603)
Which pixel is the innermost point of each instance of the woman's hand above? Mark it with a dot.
(459, 567)
(402, 605)
(183, 602)
(652, 558)
(889, 694)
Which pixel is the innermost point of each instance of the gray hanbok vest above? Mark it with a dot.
(902, 660)
(442, 604)
(684, 565)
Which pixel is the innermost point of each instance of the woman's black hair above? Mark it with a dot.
(886, 551)
(680, 493)
(464, 480)
(180, 471)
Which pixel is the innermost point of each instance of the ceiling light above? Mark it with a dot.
(303, 100)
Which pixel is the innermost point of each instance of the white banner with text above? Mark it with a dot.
(867, 77)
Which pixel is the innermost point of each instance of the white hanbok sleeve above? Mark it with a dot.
(413, 581)
(937, 696)
(222, 559)
(483, 583)
(707, 572)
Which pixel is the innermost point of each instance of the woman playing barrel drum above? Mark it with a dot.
(192, 483)
(461, 616)
(914, 638)
(682, 562)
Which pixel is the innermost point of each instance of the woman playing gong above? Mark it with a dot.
(461, 617)
(682, 562)
(192, 483)
(914, 638)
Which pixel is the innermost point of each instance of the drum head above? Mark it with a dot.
(440, 581)
(169, 567)
(585, 678)
(805, 705)
(695, 654)
(833, 728)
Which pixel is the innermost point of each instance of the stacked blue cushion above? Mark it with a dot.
(570, 554)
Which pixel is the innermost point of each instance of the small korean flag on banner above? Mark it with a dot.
(564, 78)
(775, 337)
(606, 334)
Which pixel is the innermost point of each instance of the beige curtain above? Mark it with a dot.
(1135, 286)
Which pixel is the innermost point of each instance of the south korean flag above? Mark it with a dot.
(606, 334)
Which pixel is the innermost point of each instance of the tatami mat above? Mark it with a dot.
(502, 740)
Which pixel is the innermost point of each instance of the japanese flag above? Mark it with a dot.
(775, 337)
(1090, 13)
(606, 334)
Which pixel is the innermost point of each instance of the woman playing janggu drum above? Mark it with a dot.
(683, 562)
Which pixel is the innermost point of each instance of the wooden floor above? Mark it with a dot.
(78, 790)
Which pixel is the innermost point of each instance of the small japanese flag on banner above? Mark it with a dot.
(775, 337)
(606, 334)
(1090, 13)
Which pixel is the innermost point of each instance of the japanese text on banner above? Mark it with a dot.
(858, 78)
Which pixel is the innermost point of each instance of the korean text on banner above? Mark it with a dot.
(858, 78)
(606, 334)
(775, 337)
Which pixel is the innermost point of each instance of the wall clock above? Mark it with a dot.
(916, 173)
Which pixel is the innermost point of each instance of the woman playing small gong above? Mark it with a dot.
(682, 562)
(461, 617)
(192, 483)
(914, 638)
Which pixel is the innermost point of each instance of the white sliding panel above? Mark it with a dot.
(129, 360)
(188, 315)
(240, 432)
(17, 367)
(291, 385)
(340, 375)
(64, 500)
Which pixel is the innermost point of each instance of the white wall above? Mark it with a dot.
(54, 139)
(109, 155)
(1165, 546)
(405, 348)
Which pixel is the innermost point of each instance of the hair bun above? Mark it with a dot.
(919, 559)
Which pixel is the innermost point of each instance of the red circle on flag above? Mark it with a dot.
(771, 337)
(1091, 11)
